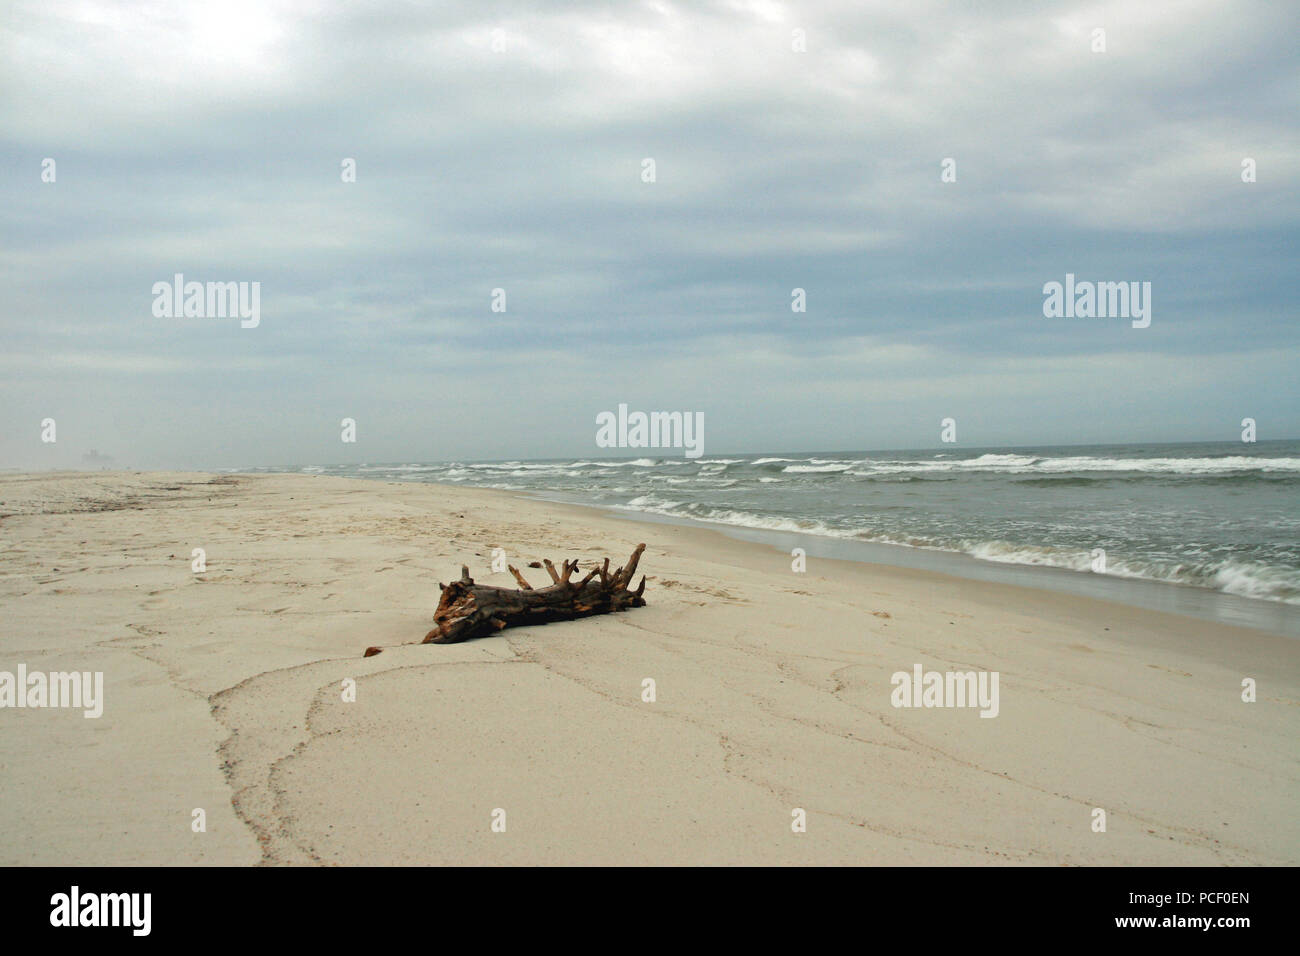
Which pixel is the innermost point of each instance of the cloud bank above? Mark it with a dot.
(503, 145)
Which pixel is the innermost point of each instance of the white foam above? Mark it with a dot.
(1025, 464)
(803, 469)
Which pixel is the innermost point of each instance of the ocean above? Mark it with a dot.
(1221, 517)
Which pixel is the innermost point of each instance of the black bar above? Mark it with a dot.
(978, 905)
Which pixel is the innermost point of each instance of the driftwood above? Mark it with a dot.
(469, 610)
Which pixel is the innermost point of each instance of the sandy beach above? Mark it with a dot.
(225, 691)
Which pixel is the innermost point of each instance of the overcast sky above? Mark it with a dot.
(501, 145)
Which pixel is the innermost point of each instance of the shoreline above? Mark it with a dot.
(222, 691)
(1171, 597)
(1205, 633)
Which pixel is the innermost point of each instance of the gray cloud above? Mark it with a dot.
(207, 140)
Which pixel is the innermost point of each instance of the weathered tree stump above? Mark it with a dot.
(469, 610)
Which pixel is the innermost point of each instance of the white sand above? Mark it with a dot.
(223, 692)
